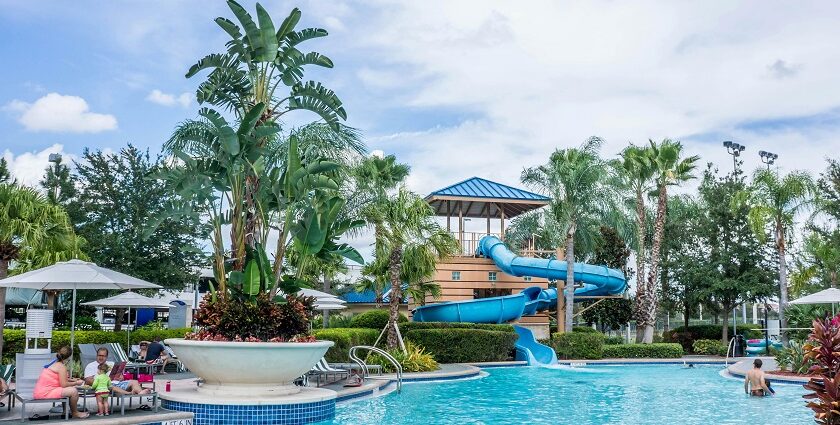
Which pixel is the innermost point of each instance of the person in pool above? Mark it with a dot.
(755, 384)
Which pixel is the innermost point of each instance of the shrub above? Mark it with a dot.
(257, 319)
(374, 319)
(410, 326)
(344, 339)
(822, 350)
(709, 347)
(14, 339)
(793, 358)
(585, 329)
(459, 345)
(579, 345)
(686, 336)
(613, 340)
(639, 351)
(415, 359)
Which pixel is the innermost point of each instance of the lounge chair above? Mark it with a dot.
(373, 368)
(322, 368)
(27, 369)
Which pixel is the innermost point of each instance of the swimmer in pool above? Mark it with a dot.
(755, 382)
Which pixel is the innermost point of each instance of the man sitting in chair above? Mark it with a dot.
(155, 354)
(119, 387)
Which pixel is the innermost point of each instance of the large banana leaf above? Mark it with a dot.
(288, 25)
(268, 36)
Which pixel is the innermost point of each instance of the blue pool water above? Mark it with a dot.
(637, 394)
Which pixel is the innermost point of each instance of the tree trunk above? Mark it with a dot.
(725, 333)
(252, 217)
(394, 266)
(833, 279)
(119, 319)
(570, 280)
(687, 315)
(326, 313)
(4, 272)
(641, 288)
(783, 291)
(653, 273)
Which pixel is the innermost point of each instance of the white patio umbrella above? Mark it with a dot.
(826, 296)
(74, 274)
(129, 300)
(319, 296)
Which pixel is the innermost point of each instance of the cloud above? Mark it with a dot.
(29, 167)
(781, 69)
(166, 99)
(60, 114)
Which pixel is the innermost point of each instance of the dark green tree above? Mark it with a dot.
(116, 202)
(612, 313)
(5, 175)
(58, 184)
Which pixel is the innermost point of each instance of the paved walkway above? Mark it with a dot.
(740, 369)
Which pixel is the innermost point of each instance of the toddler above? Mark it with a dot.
(102, 388)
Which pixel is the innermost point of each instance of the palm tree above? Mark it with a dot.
(582, 199)
(375, 176)
(32, 230)
(264, 68)
(776, 201)
(670, 170)
(408, 230)
(636, 170)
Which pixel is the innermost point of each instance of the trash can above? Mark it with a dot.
(739, 346)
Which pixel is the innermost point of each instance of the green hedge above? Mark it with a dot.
(374, 319)
(410, 326)
(345, 338)
(579, 345)
(585, 329)
(640, 351)
(709, 347)
(460, 345)
(613, 340)
(14, 339)
(686, 336)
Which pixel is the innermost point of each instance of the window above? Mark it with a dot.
(527, 278)
(491, 276)
(456, 275)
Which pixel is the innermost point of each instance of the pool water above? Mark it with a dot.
(633, 394)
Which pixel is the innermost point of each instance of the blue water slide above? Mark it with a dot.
(596, 280)
(528, 349)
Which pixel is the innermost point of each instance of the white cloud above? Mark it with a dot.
(29, 167)
(60, 114)
(166, 99)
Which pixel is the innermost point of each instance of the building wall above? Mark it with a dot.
(474, 276)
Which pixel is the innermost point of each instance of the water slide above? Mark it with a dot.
(597, 281)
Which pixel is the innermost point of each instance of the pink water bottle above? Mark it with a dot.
(168, 385)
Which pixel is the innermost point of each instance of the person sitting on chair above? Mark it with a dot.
(120, 387)
(156, 355)
(54, 382)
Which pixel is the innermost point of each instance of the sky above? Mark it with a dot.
(453, 88)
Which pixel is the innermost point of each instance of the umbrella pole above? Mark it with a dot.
(128, 328)
(73, 328)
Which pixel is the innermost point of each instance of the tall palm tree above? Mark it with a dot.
(775, 201)
(670, 170)
(583, 197)
(33, 230)
(407, 229)
(375, 177)
(636, 170)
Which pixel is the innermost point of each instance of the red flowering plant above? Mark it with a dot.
(823, 348)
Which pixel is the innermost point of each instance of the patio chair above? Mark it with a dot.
(322, 368)
(27, 369)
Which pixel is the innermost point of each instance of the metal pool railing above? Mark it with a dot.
(383, 353)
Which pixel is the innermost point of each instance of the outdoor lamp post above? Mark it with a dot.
(768, 158)
(55, 158)
(735, 150)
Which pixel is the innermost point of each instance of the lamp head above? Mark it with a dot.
(727, 143)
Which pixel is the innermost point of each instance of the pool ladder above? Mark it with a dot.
(730, 349)
(383, 353)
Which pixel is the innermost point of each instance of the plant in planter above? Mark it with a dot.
(823, 348)
(248, 176)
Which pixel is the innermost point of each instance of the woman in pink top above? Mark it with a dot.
(54, 383)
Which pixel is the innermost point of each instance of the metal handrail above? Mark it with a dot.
(383, 353)
(730, 347)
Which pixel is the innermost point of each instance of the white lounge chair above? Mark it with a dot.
(28, 368)
(322, 368)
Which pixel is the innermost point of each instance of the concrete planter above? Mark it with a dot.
(248, 369)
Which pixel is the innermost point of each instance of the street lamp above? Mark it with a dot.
(735, 150)
(55, 158)
(768, 158)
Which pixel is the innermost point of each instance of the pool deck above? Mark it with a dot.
(377, 384)
(740, 369)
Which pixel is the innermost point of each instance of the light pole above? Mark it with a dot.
(768, 158)
(735, 150)
(55, 158)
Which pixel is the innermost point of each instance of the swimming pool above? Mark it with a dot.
(632, 394)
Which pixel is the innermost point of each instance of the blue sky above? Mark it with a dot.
(453, 88)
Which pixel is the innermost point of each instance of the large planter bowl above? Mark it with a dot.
(248, 369)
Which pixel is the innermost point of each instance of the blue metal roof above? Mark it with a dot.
(476, 187)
